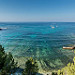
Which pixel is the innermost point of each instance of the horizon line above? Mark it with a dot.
(35, 21)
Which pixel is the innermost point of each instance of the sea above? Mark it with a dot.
(43, 41)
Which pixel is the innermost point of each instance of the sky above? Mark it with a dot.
(37, 10)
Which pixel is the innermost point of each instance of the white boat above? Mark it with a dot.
(68, 47)
(2, 28)
(52, 26)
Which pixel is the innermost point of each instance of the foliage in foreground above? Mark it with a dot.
(68, 70)
(31, 67)
(7, 64)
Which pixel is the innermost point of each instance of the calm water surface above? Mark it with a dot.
(42, 41)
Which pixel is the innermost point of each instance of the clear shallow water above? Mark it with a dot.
(42, 41)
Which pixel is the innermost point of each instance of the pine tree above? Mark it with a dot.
(7, 64)
(31, 67)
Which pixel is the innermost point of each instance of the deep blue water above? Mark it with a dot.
(42, 41)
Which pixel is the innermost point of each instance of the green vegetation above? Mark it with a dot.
(53, 73)
(68, 70)
(7, 64)
(31, 67)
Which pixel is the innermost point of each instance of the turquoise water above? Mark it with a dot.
(42, 41)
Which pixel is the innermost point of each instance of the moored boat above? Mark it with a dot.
(68, 47)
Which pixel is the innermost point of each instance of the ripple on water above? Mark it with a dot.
(40, 41)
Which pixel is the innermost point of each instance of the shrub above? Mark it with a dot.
(7, 64)
(31, 67)
(54, 73)
(68, 70)
(2, 57)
